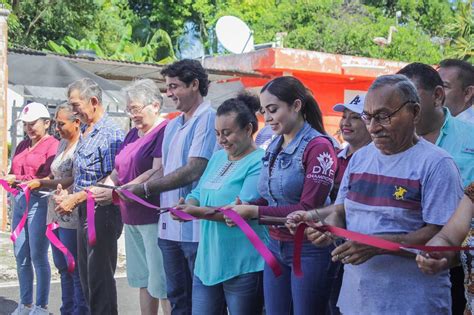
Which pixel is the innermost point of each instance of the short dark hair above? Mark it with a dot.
(466, 70)
(188, 70)
(289, 89)
(426, 75)
(245, 106)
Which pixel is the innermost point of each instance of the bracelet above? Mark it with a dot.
(145, 190)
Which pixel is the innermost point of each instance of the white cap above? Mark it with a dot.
(33, 111)
(356, 105)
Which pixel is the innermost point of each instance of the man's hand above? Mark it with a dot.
(136, 189)
(432, 264)
(354, 253)
(103, 196)
(34, 184)
(318, 238)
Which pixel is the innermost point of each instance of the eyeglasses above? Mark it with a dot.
(135, 110)
(382, 118)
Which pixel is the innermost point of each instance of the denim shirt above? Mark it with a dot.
(284, 185)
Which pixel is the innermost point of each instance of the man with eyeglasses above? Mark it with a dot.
(188, 144)
(400, 188)
(449, 133)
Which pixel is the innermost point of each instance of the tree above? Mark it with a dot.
(461, 31)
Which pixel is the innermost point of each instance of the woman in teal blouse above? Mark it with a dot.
(228, 269)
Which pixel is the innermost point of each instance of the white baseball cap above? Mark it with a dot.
(34, 111)
(356, 105)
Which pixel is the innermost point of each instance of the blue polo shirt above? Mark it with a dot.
(457, 138)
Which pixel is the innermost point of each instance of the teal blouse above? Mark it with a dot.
(225, 252)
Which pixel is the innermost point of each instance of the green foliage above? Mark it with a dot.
(461, 31)
(145, 30)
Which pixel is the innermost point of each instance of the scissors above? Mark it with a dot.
(46, 193)
(415, 251)
(107, 186)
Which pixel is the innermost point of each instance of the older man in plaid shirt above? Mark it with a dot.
(94, 159)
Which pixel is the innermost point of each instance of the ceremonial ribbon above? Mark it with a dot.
(22, 222)
(59, 245)
(238, 220)
(7, 187)
(90, 209)
(367, 240)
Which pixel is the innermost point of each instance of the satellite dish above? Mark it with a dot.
(234, 34)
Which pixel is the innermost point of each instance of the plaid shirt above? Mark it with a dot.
(95, 153)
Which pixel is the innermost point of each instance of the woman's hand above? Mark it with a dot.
(296, 218)
(195, 211)
(247, 212)
(34, 184)
(103, 196)
(432, 264)
(10, 179)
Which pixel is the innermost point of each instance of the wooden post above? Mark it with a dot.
(3, 110)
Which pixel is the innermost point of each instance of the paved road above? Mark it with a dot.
(127, 298)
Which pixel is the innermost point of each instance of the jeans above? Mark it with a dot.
(73, 301)
(242, 294)
(337, 271)
(178, 259)
(97, 263)
(31, 249)
(289, 294)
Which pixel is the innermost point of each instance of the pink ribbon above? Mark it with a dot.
(90, 209)
(59, 245)
(299, 236)
(363, 239)
(22, 223)
(255, 240)
(8, 188)
(241, 223)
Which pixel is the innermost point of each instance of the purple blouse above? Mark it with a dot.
(136, 157)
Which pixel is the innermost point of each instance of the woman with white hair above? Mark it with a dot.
(32, 159)
(138, 159)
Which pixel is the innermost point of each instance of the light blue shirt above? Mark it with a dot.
(457, 138)
(183, 140)
(225, 252)
(467, 115)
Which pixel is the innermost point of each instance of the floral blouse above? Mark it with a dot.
(466, 258)
(62, 168)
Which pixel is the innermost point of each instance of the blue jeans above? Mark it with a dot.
(178, 259)
(243, 295)
(289, 294)
(73, 301)
(31, 249)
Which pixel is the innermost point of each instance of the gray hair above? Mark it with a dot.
(68, 108)
(144, 91)
(399, 82)
(87, 88)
